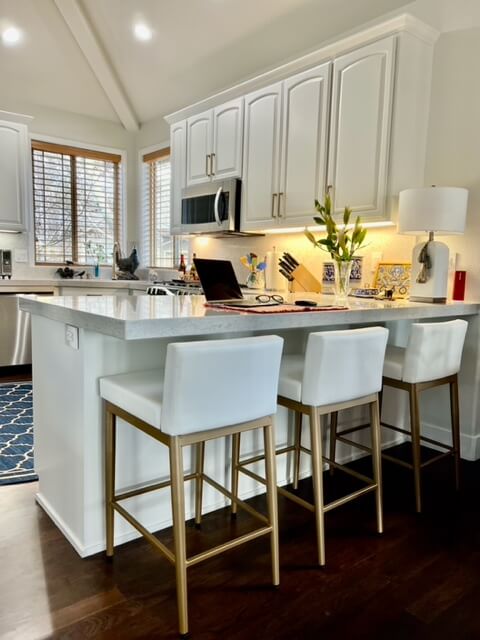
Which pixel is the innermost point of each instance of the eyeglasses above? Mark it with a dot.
(264, 297)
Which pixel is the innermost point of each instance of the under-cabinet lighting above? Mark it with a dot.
(380, 224)
(11, 36)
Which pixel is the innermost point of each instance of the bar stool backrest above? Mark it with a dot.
(434, 350)
(343, 365)
(218, 383)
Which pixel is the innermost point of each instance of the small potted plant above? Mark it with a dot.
(340, 242)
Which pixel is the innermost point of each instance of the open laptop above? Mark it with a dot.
(220, 284)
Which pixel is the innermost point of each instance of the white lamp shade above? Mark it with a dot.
(439, 209)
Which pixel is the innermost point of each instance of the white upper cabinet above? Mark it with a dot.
(178, 145)
(14, 176)
(214, 143)
(199, 145)
(226, 159)
(261, 157)
(360, 128)
(304, 144)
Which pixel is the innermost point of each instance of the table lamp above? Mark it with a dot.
(433, 210)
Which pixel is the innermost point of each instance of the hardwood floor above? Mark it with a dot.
(421, 579)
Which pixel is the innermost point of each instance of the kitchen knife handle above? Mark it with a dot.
(274, 195)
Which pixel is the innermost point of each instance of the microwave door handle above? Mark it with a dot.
(215, 206)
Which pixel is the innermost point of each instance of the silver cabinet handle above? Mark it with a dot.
(207, 164)
(215, 206)
(212, 158)
(279, 210)
(274, 195)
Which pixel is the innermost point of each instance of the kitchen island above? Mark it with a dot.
(76, 340)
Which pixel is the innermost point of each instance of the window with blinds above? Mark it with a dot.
(76, 199)
(162, 248)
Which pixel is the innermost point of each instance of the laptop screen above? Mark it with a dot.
(218, 279)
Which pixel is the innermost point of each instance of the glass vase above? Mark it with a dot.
(343, 269)
(255, 280)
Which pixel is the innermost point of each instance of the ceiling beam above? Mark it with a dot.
(82, 31)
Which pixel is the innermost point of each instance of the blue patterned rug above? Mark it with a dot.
(16, 434)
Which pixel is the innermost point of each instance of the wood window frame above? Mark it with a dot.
(74, 152)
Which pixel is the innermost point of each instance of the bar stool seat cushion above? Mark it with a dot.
(139, 393)
(393, 365)
(291, 376)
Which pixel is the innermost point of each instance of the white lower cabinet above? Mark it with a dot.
(15, 176)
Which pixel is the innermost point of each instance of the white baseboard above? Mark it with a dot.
(469, 444)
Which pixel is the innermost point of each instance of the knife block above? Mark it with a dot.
(303, 280)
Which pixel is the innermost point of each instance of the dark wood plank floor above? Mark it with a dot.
(421, 579)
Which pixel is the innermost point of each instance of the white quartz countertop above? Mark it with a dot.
(33, 284)
(140, 317)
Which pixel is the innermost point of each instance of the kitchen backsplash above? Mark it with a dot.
(383, 245)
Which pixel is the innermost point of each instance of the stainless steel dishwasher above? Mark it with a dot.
(15, 330)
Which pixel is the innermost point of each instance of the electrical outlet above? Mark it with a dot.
(71, 336)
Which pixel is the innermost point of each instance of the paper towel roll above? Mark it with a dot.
(274, 281)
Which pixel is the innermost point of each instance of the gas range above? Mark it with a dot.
(175, 288)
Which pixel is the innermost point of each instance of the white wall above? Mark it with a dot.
(83, 130)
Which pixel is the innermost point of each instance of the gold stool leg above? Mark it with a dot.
(377, 460)
(235, 472)
(110, 446)
(200, 451)
(333, 439)
(271, 478)
(178, 511)
(415, 430)
(317, 471)
(455, 428)
(298, 442)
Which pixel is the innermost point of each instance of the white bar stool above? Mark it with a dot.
(432, 358)
(223, 398)
(340, 370)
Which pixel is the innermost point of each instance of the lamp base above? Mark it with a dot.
(436, 287)
(434, 300)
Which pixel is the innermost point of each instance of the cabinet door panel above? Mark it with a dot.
(360, 128)
(304, 149)
(227, 140)
(178, 145)
(261, 157)
(199, 145)
(14, 174)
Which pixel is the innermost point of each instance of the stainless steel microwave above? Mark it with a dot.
(212, 208)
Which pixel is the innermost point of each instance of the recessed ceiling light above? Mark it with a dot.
(11, 36)
(142, 31)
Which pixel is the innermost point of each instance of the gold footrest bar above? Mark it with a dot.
(231, 544)
(149, 536)
(402, 463)
(349, 498)
(240, 503)
(424, 438)
(367, 425)
(362, 447)
(350, 472)
(150, 487)
(261, 457)
(297, 499)
(440, 456)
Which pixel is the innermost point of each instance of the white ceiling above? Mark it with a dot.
(198, 48)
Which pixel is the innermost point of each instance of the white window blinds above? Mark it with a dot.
(162, 248)
(76, 196)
